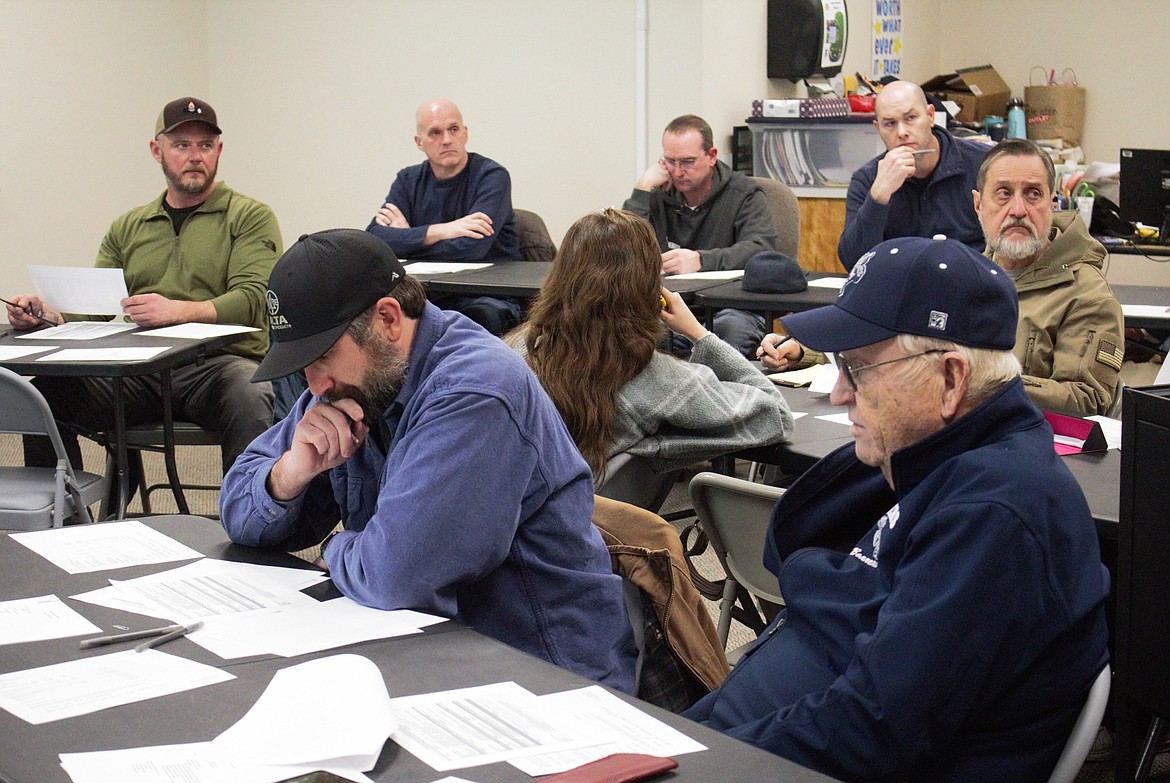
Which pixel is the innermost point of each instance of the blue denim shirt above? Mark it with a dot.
(480, 511)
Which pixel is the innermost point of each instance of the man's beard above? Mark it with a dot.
(191, 187)
(1005, 249)
(380, 383)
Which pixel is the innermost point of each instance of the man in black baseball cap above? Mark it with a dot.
(458, 485)
(944, 590)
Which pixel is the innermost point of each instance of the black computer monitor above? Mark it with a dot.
(1142, 652)
(1145, 186)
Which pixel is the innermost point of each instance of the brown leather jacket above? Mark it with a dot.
(647, 551)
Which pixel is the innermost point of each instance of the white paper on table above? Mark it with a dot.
(76, 289)
(81, 549)
(1145, 311)
(193, 331)
(42, 617)
(330, 624)
(1163, 376)
(827, 282)
(717, 274)
(836, 418)
(129, 354)
(482, 725)
(1110, 428)
(9, 352)
(79, 330)
(65, 690)
(282, 727)
(619, 728)
(196, 762)
(440, 267)
(202, 589)
(825, 379)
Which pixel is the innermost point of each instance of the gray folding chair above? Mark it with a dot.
(35, 498)
(735, 515)
(150, 437)
(1080, 740)
(631, 480)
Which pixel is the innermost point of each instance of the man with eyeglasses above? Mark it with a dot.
(918, 187)
(199, 253)
(944, 588)
(706, 217)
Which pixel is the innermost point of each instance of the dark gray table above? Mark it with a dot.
(523, 280)
(177, 352)
(1145, 295)
(1098, 474)
(443, 657)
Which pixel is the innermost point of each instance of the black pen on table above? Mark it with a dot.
(131, 636)
(27, 309)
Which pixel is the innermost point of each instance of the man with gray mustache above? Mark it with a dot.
(1069, 334)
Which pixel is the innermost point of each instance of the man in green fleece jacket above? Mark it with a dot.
(200, 253)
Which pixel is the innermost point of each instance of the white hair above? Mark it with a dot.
(990, 369)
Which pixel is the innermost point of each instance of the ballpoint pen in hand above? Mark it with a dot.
(28, 310)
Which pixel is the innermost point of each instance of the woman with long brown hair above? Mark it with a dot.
(591, 339)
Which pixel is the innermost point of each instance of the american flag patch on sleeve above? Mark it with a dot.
(1110, 354)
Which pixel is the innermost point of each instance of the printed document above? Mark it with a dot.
(103, 354)
(332, 624)
(616, 726)
(279, 737)
(65, 690)
(439, 267)
(81, 549)
(206, 588)
(77, 289)
(482, 725)
(43, 617)
(79, 330)
(193, 331)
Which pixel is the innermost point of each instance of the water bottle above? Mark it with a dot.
(1016, 128)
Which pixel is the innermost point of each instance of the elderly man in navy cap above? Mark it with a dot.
(944, 589)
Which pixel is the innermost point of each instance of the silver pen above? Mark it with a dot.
(182, 630)
(129, 636)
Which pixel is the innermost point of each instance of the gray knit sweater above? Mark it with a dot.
(676, 412)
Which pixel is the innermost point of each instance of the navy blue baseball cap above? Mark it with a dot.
(316, 289)
(913, 285)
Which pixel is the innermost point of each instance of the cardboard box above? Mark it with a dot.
(979, 91)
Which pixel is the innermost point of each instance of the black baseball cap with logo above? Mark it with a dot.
(183, 110)
(316, 289)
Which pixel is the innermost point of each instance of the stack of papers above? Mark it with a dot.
(539, 735)
(440, 267)
(282, 736)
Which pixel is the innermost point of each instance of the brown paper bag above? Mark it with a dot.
(1055, 111)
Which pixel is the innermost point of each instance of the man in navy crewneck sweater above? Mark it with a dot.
(454, 207)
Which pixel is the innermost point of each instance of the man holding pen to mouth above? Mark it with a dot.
(460, 489)
(920, 186)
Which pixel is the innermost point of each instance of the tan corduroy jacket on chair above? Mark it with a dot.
(647, 551)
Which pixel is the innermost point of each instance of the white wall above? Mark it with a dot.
(317, 99)
(82, 85)
(319, 105)
(1117, 48)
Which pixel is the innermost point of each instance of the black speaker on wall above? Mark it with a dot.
(806, 38)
